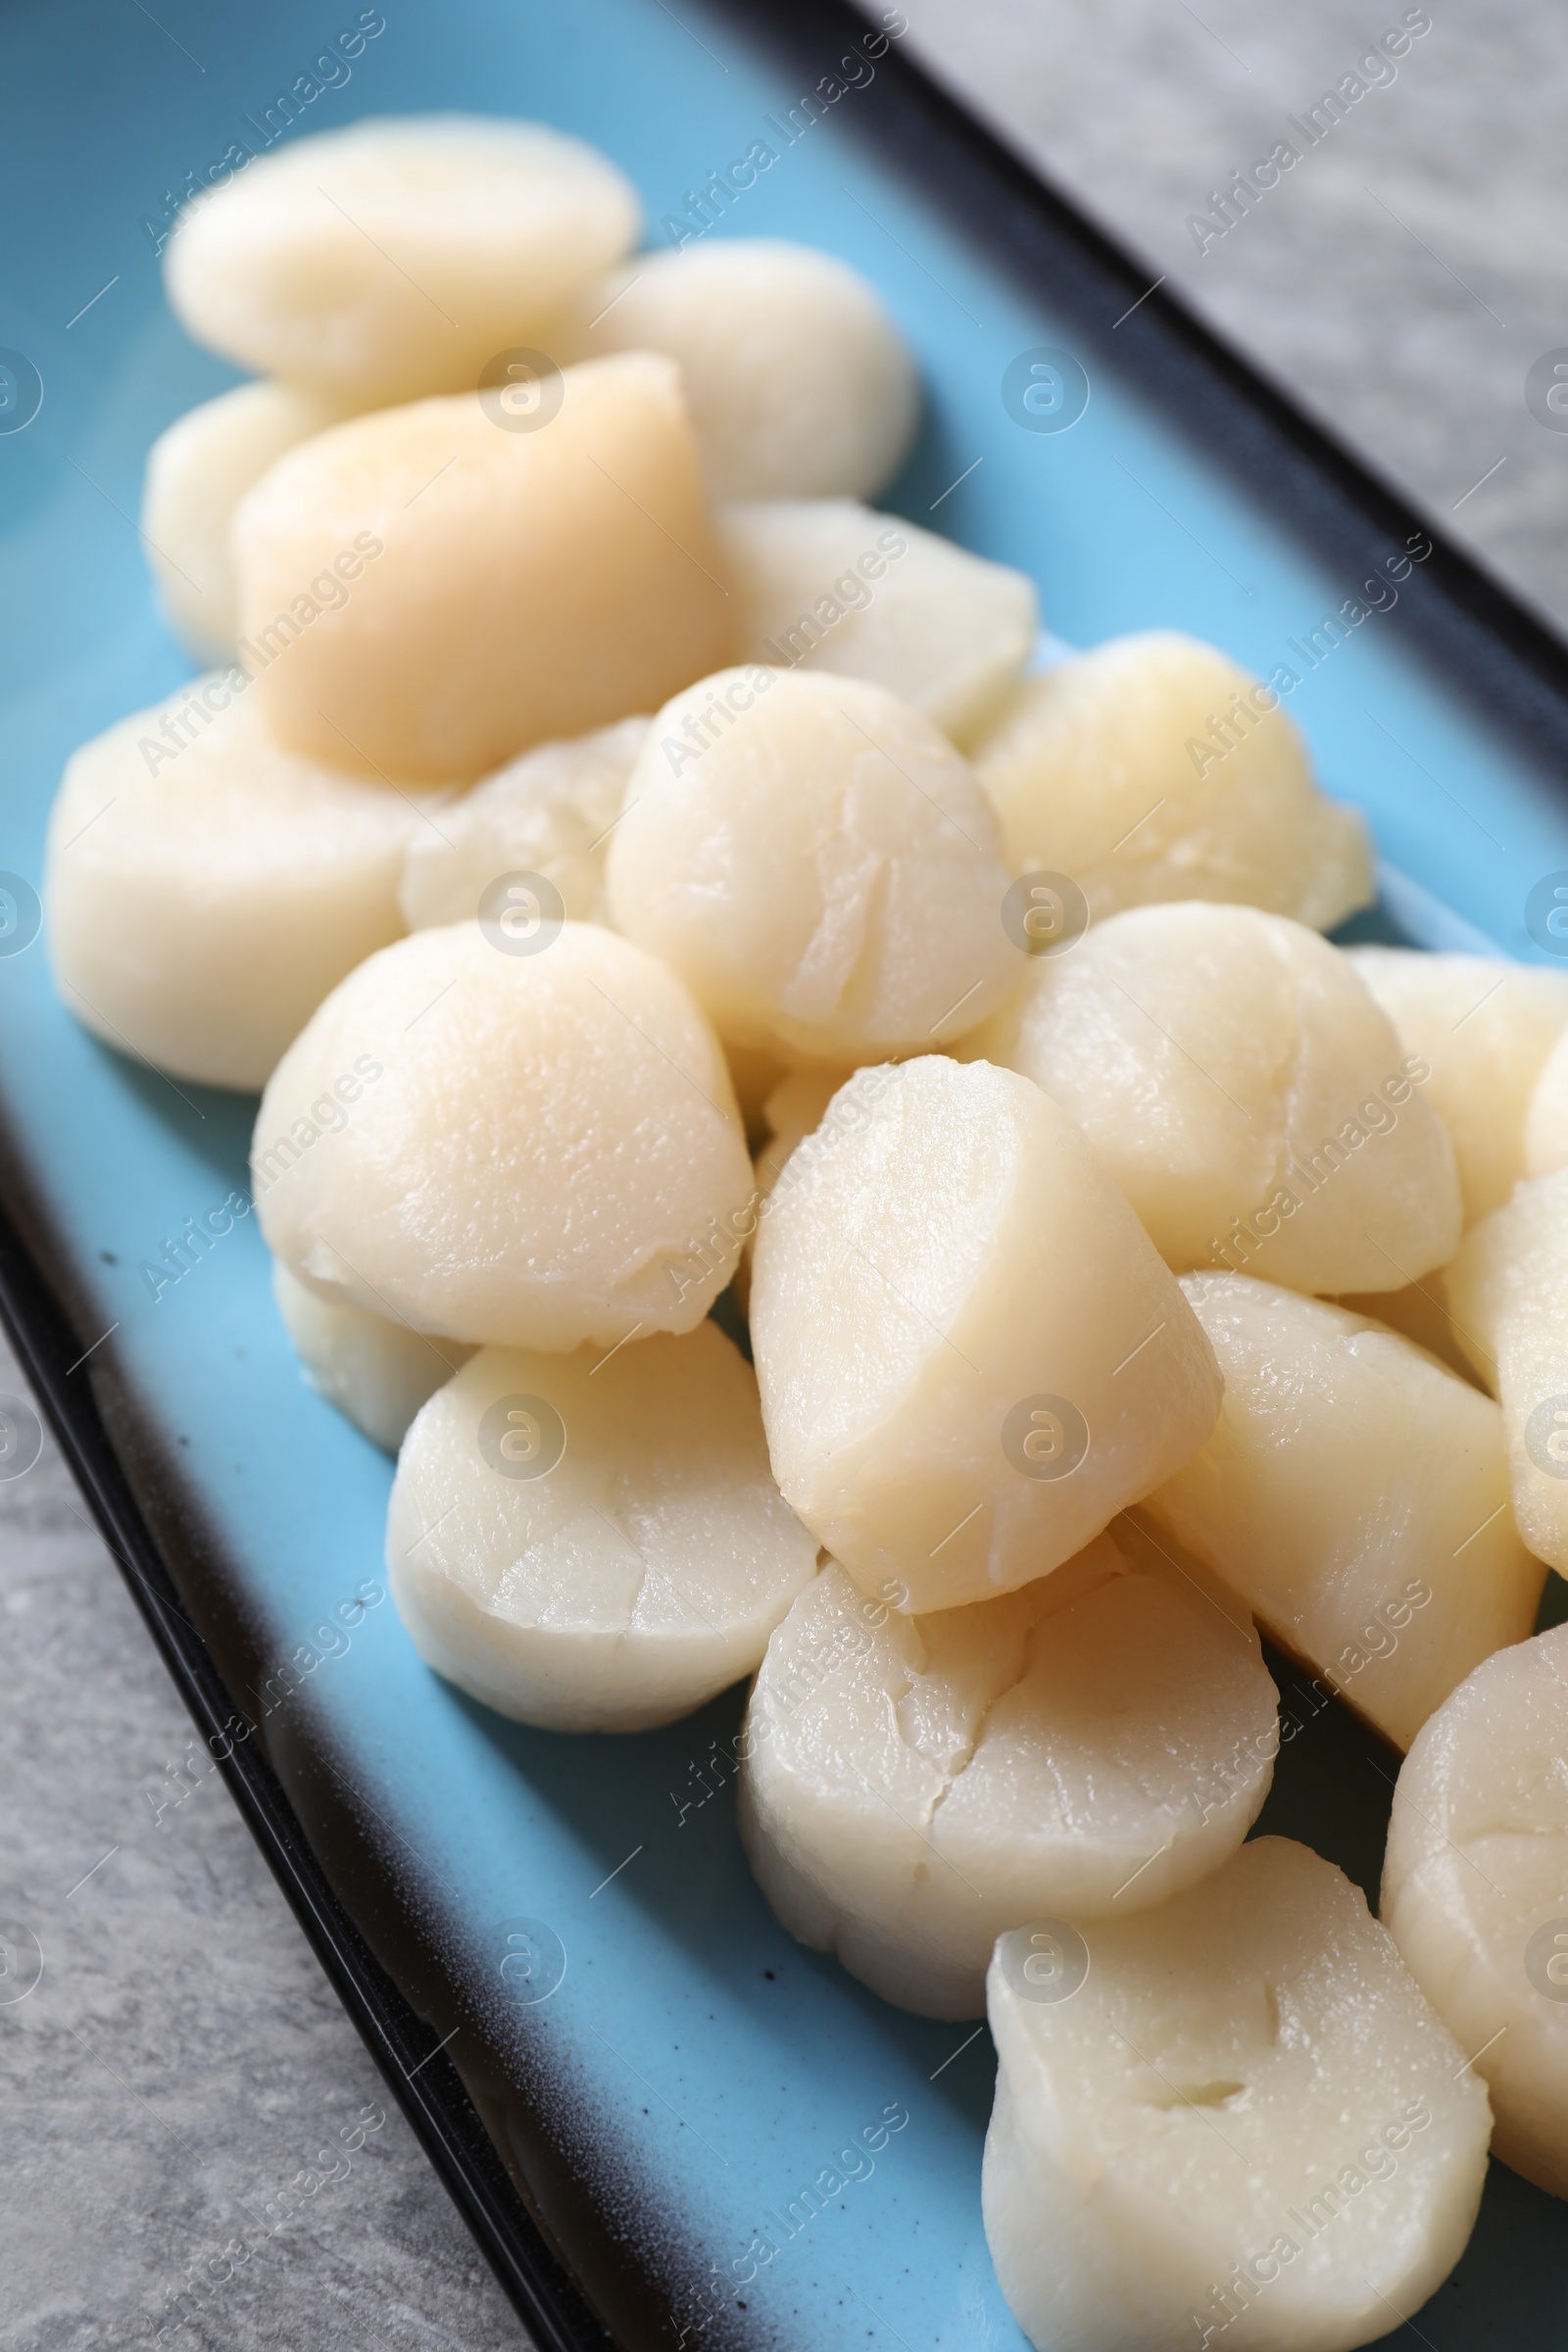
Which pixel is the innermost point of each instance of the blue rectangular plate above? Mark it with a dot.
(629, 2148)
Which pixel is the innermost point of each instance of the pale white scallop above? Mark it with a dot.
(1475, 1889)
(638, 1573)
(396, 257)
(1107, 770)
(1487, 1028)
(800, 382)
(516, 585)
(1355, 1493)
(1236, 1077)
(198, 470)
(755, 1073)
(910, 1787)
(205, 888)
(798, 1107)
(817, 862)
(1421, 1312)
(827, 584)
(1546, 1119)
(792, 1110)
(547, 1149)
(548, 813)
(1508, 1292)
(377, 1372)
(970, 1356)
(1244, 2126)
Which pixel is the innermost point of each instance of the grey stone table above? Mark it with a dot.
(1401, 278)
(181, 2057)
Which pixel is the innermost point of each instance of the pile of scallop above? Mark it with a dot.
(637, 869)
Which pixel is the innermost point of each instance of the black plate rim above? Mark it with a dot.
(1330, 495)
(426, 2084)
(926, 133)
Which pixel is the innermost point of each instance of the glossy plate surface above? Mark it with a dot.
(678, 2100)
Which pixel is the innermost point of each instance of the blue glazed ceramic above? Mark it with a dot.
(675, 2084)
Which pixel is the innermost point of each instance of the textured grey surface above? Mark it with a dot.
(181, 2060)
(1401, 280)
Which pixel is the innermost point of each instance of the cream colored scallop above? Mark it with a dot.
(1243, 2125)
(827, 584)
(801, 384)
(206, 888)
(1475, 1891)
(1154, 1550)
(1250, 1099)
(521, 585)
(911, 1786)
(1109, 769)
(548, 813)
(1546, 1119)
(1420, 1313)
(197, 472)
(547, 1151)
(376, 1371)
(794, 1108)
(396, 257)
(593, 1542)
(755, 1073)
(797, 1107)
(1355, 1493)
(970, 1357)
(817, 862)
(1508, 1292)
(1487, 1027)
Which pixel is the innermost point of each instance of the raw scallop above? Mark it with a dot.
(1355, 1492)
(1508, 1292)
(1475, 1891)
(912, 1786)
(548, 814)
(1546, 1119)
(377, 1372)
(515, 585)
(1487, 1028)
(593, 1542)
(827, 584)
(1110, 769)
(970, 1357)
(197, 472)
(206, 888)
(1246, 1094)
(817, 862)
(1232, 2120)
(397, 256)
(800, 383)
(544, 1149)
